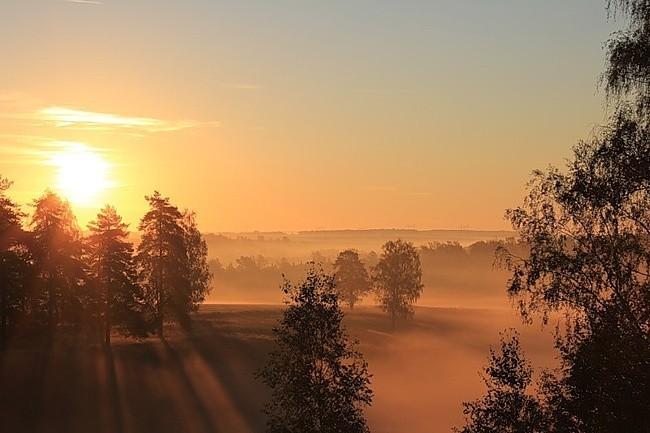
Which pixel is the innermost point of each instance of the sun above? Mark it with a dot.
(82, 174)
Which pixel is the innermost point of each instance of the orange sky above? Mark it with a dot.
(291, 115)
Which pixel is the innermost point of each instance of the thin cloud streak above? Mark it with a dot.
(85, 2)
(63, 117)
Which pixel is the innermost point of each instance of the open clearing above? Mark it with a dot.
(203, 381)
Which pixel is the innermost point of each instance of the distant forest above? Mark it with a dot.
(452, 274)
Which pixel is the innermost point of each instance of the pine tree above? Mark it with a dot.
(112, 266)
(172, 258)
(319, 382)
(57, 250)
(13, 261)
(161, 258)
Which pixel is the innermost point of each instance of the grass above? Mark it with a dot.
(202, 380)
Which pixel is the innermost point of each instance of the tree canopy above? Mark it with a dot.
(319, 381)
(397, 279)
(352, 280)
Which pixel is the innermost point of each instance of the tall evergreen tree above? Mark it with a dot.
(13, 261)
(112, 266)
(319, 382)
(57, 251)
(162, 259)
(397, 279)
(172, 259)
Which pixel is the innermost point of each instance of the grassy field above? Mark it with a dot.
(202, 381)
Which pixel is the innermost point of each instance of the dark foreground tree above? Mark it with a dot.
(508, 405)
(162, 260)
(113, 269)
(588, 228)
(13, 262)
(627, 76)
(319, 382)
(588, 231)
(172, 258)
(397, 279)
(352, 281)
(60, 273)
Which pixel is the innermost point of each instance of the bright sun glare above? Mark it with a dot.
(82, 173)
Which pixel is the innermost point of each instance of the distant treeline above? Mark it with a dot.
(52, 275)
(449, 270)
(298, 246)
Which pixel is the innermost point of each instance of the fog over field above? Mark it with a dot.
(202, 381)
(325, 216)
(459, 267)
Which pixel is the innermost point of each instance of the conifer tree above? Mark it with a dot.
(172, 259)
(13, 261)
(112, 266)
(57, 250)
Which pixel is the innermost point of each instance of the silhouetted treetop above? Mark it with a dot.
(319, 381)
(352, 280)
(397, 279)
(627, 76)
(114, 271)
(508, 404)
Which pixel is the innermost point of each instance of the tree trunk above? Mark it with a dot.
(107, 316)
(51, 305)
(160, 279)
(3, 316)
(160, 315)
(160, 304)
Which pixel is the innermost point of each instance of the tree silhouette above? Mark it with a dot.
(588, 228)
(627, 76)
(57, 251)
(13, 262)
(319, 382)
(507, 406)
(172, 258)
(352, 281)
(162, 259)
(196, 248)
(112, 265)
(397, 279)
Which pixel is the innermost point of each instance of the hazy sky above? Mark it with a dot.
(298, 114)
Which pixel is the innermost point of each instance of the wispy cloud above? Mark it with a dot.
(62, 117)
(38, 150)
(85, 2)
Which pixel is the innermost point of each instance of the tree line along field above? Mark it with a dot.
(202, 380)
(452, 274)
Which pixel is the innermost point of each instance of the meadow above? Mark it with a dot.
(202, 380)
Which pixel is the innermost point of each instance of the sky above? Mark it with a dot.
(297, 115)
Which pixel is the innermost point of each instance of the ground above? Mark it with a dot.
(202, 380)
